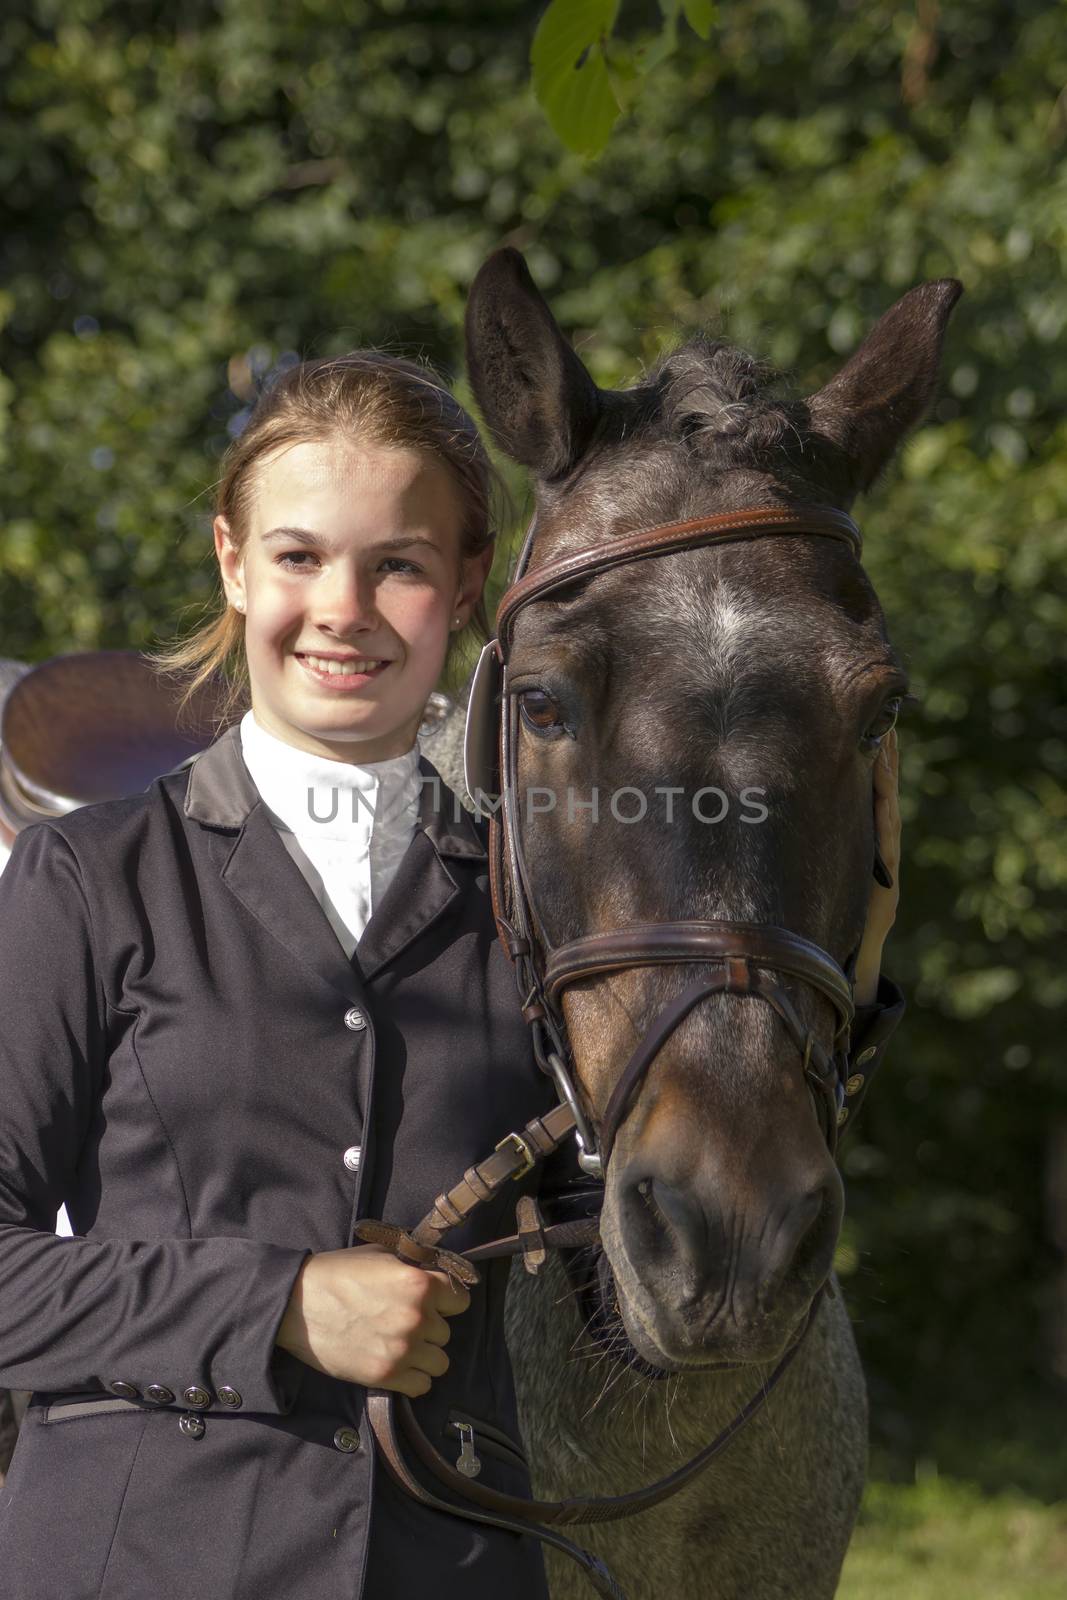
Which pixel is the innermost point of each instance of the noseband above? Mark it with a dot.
(742, 955)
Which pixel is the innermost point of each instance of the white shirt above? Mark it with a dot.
(346, 825)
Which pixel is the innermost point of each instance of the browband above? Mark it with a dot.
(725, 526)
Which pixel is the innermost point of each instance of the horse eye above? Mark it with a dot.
(539, 712)
(881, 725)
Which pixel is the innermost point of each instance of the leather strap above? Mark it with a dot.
(742, 948)
(514, 1156)
(531, 1234)
(380, 1415)
(725, 526)
(644, 944)
(582, 1233)
(407, 1248)
(592, 1508)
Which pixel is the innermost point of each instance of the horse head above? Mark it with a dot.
(742, 689)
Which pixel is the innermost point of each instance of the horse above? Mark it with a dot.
(760, 664)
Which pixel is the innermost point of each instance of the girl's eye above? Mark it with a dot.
(881, 725)
(540, 712)
(296, 561)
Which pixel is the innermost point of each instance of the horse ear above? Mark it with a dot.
(885, 388)
(537, 398)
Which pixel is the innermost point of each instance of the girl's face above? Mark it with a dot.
(351, 583)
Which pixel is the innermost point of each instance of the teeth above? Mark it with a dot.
(340, 669)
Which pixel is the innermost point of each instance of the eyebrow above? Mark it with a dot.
(306, 536)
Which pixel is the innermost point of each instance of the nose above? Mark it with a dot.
(800, 1248)
(775, 1247)
(345, 601)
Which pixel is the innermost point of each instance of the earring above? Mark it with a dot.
(455, 622)
(238, 605)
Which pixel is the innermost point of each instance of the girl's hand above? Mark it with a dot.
(363, 1316)
(882, 908)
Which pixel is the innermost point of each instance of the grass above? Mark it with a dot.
(947, 1539)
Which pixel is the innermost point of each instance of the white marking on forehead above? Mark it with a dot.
(725, 643)
(720, 626)
(733, 618)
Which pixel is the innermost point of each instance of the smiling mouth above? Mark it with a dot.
(355, 667)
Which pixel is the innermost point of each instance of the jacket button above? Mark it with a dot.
(196, 1397)
(355, 1019)
(192, 1427)
(228, 1396)
(125, 1391)
(346, 1439)
(865, 1055)
(351, 1157)
(159, 1394)
(855, 1083)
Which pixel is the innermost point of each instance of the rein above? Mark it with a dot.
(740, 956)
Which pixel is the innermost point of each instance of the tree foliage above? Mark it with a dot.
(584, 73)
(193, 195)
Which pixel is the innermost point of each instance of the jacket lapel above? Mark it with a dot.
(423, 890)
(261, 873)
(258, 868)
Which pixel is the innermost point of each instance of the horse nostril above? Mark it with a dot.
(671, 1221)
(804, 1247)
(646, 1190)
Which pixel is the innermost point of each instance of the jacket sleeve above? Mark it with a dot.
(872, 1028)
(82, 1314)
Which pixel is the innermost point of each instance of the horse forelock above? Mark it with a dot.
(708, 388)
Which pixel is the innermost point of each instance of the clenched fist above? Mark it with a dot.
(363, 1316)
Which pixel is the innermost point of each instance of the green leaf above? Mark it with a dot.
(570, 76)
(626, 72)
(660, 48)
(700, 14)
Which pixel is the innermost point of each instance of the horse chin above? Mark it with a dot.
(606, 1325)
(660, 1348)
(612, 1330)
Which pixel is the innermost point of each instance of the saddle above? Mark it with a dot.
(92, 725)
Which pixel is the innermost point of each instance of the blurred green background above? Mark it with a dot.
(195, 193)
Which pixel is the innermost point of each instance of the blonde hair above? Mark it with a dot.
(365, 396)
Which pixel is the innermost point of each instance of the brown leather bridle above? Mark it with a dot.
(742, 953)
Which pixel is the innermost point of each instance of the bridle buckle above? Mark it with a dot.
(522, 1149)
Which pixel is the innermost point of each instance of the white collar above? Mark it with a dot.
(317, 798)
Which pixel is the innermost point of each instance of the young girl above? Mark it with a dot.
(243, 1010)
